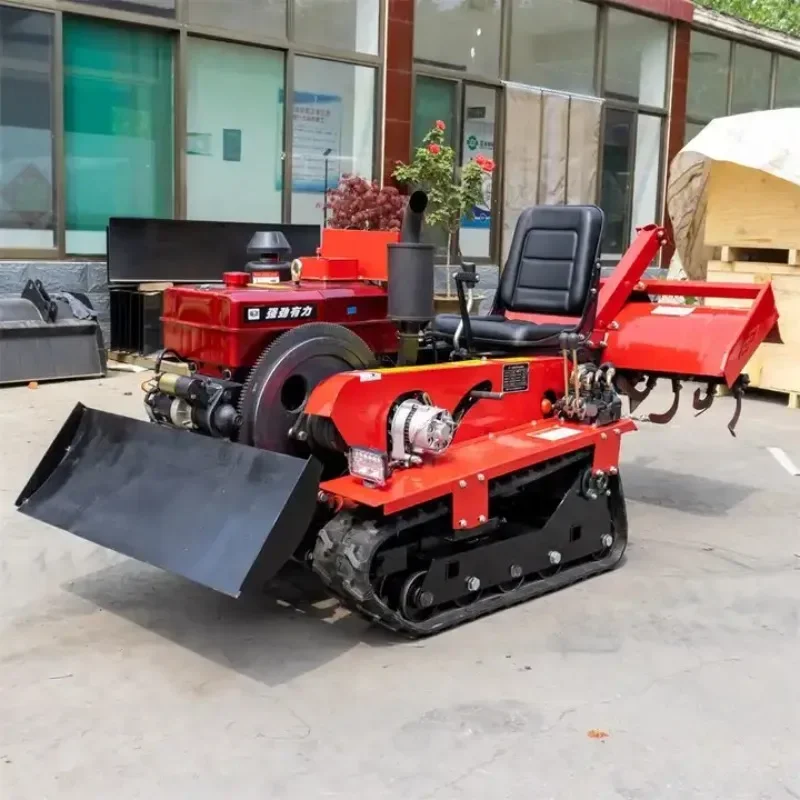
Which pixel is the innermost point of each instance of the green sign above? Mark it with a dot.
(472, 142)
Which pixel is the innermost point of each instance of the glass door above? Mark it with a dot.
(478, 117)
(469, 112)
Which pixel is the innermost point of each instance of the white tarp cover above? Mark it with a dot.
(764, 140)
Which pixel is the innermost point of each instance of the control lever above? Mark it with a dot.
(468, 277)
(569, 343)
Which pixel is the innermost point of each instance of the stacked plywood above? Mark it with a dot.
(754, 217)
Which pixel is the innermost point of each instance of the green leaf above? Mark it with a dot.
(779, 15)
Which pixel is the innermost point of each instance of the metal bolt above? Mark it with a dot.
(613, 471)
(599, 473)
(462, 523)
(617, 431)
(614, 326)
(515, 571)
(608, 492)
(473, 584)
(481, 477)
(592, 495)
(302, 436)
(555, 557)
(322, 497)
(607, 540)
(462, 484)
(426, 599)
(604, 436)
(481, 519)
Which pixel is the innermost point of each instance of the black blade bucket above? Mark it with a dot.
(224, 515)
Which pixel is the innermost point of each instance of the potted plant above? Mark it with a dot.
(453, 194)
(359, 204)
(363, 218)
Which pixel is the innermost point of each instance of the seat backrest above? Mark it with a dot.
(552, 262)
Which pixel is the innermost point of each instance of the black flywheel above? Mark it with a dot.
(279, 385)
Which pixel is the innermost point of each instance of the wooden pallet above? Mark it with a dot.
(146, 361)
(760, 255)
(792, 398)
(773, 367)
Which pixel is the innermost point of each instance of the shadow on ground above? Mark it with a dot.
(692, 494)
(295, 627)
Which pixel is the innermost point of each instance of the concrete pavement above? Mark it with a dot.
(117, 680)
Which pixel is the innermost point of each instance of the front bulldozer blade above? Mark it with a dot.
(224, 515)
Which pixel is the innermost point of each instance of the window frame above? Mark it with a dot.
(775, 56)
(181, 30)
(636, 109)
(57, 143)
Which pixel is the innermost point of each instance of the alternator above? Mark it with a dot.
(417, 428)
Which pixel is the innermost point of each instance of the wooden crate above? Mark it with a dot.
(749, 208)
(774, 367)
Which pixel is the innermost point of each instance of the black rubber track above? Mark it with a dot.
(346, 548)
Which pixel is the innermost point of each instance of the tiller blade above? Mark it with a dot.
(700, 403)
(224, 515)
(668, 415)
(636, 396)
(738, 390)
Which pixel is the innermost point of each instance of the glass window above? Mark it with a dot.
(234, 132)
(636, 58)
(268, 17)
(692, 129)
(434, 99)
(333, 130)
(553, 44)
(646, 172)
(751, 77)
(162, 8)
(118, 112)
(26, 129)
(632, 147)
(787, 87)
(618, 138)
(460, 34)
(709, 62)
(340, 24)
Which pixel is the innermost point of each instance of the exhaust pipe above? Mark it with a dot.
(411, 230)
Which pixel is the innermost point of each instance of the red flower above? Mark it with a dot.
(480, 159)
(440, 125)
(487, 165)
(434, 149)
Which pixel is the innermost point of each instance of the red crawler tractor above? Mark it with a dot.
(480, 471)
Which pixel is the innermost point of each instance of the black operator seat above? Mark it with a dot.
(552, 267)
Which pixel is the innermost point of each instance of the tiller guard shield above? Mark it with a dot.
(692, 341)
(223, 515)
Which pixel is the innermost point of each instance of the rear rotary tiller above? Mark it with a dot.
(482, 472)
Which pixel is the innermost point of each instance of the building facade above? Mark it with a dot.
(245, 110)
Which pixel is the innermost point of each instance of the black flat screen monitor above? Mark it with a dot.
(190, 251)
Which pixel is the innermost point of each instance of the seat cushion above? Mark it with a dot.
(498, 332)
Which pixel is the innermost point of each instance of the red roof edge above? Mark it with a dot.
(682, 10)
